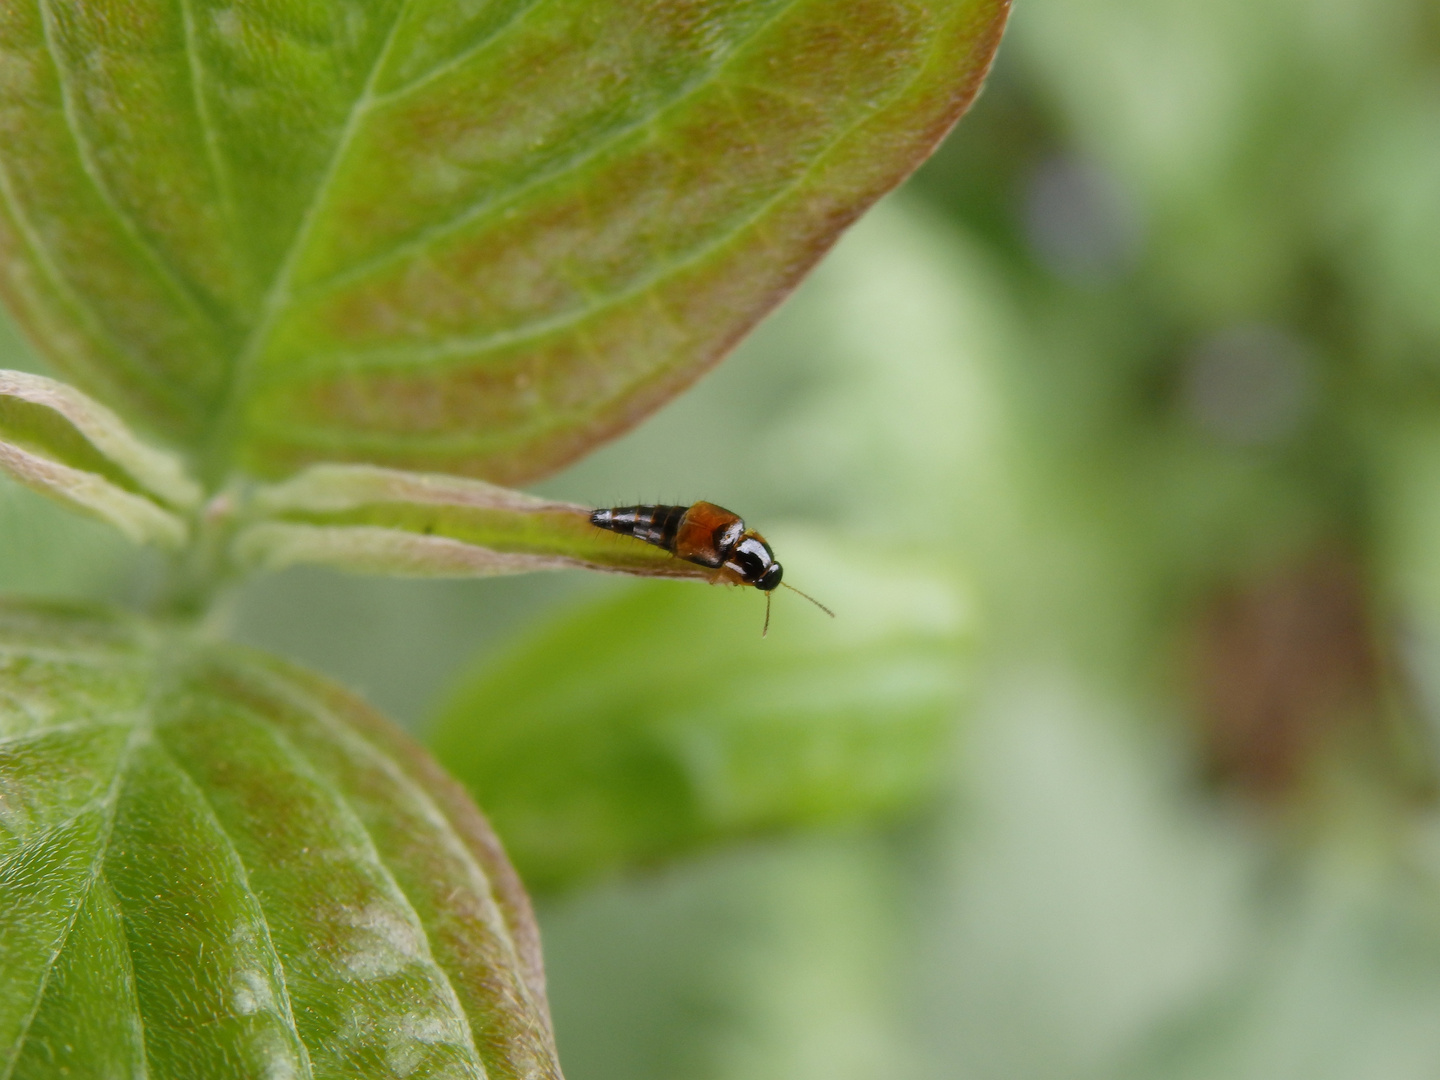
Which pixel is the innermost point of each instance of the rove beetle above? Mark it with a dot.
(707, 535)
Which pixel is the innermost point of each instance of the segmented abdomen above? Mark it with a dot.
(656, 525)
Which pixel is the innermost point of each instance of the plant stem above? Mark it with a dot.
(201, 575)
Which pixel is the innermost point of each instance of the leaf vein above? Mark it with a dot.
(277, 296)
(238, 865)
(208, 131)
(46, 835)
(162, 388)
(349, 736)
(494, 206)
(172, 277)
(97, 863)
(57, 729)
(130, 980)
(463, 57)
(309, 768)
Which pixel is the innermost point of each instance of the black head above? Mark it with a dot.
(770, 579)
(754, 563)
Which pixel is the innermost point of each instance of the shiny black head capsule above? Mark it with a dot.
(770, 579)
(754, 563)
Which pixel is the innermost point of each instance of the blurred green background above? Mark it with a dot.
(1114, 439)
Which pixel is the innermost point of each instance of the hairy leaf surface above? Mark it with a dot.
(60, 443)
(214, 865)
(653, 724)
(472, 238)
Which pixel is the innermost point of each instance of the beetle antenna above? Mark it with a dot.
(807, 596)
(766, 629)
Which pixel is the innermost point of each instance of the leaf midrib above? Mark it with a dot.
(242, 873)
(208, 132)
(215, 461)
(217, 458)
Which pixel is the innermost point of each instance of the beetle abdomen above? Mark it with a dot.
(656, 525)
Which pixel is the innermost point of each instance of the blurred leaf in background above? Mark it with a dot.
(659, 722)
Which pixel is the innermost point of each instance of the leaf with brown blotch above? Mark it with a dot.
(475, 239)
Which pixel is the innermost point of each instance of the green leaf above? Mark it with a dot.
(658, 722)
(214, 865)
(385, 521)
(470, 238)
(59, 442)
